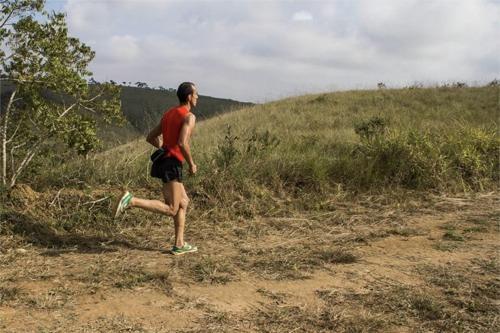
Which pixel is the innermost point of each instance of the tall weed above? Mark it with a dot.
(464, 158)
(473, 155)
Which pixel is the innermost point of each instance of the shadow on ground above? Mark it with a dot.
(43, 235)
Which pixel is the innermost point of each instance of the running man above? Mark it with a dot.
(175, 128)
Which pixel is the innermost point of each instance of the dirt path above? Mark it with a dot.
(359, 269)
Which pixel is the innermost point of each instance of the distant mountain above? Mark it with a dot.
(143, 107)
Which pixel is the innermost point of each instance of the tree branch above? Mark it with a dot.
(25, 81)
(88, 109)
(19, 9)
(67, 110)
(80, 103)
(15, 132)
(12, 154)
(6, 19)
(29, 156)
(93, 98)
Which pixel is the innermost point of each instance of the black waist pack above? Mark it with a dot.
(158, 154)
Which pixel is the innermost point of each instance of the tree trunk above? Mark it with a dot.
(3, 136)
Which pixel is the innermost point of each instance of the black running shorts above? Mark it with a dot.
(167, 169)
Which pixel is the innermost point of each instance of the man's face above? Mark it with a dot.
(193, 98)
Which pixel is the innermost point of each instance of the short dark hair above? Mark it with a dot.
(185, 89)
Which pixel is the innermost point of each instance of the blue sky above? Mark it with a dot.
(265, 50)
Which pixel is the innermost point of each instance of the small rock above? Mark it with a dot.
(21, 251)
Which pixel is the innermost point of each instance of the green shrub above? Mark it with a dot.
(259, 142)
(227, 150)
(473, 156)
(406, 158)
(464, 157)
(371, 128)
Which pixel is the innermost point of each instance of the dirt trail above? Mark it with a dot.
(135, 290)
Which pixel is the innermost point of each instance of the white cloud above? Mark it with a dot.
(87, 20)
(251, 50)
(123, 48)
(302, 16)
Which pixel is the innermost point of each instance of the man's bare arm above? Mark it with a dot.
(184, 137)
(154, 136)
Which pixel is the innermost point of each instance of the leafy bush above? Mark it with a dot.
(466, 157)
(399, 158)
(261, 141)
(473, 156)
(371, 128)
(226, 150)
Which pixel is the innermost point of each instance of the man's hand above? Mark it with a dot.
(193, 169)
(154, 136)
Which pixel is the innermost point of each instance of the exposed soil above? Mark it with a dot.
(430, 266)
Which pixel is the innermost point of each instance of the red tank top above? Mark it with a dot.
(171, 124)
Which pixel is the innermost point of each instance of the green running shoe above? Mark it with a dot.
(176, 251)
(121, 203)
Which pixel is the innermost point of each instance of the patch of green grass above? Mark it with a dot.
(291, 262)
(333, 320)
(446, 309)
(479, 229)
(426, 307)
(469, 296)
(336, 256)
(213, 321)
(123, 275)
(132, 278)
(278, 263)
(8, 294)
(446, 246)
(452, 235)
(489, 288)
(287, 318)
(450, 226)
(397, 305)
(118, 323)
(53, 299)
(443, 276)
(405, 232)
(212, 270)
(487, 219)
(479, 221)
(490, 265)
(276, 297)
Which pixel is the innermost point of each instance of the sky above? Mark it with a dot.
(264, 50)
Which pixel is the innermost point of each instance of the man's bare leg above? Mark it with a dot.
(179, 222)
(175, 195)
(155, 206)
(175, 205)
(180, 218)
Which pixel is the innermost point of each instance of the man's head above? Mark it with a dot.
(187, 94)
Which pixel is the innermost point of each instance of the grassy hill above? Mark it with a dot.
(358, 211)
(444, 139)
